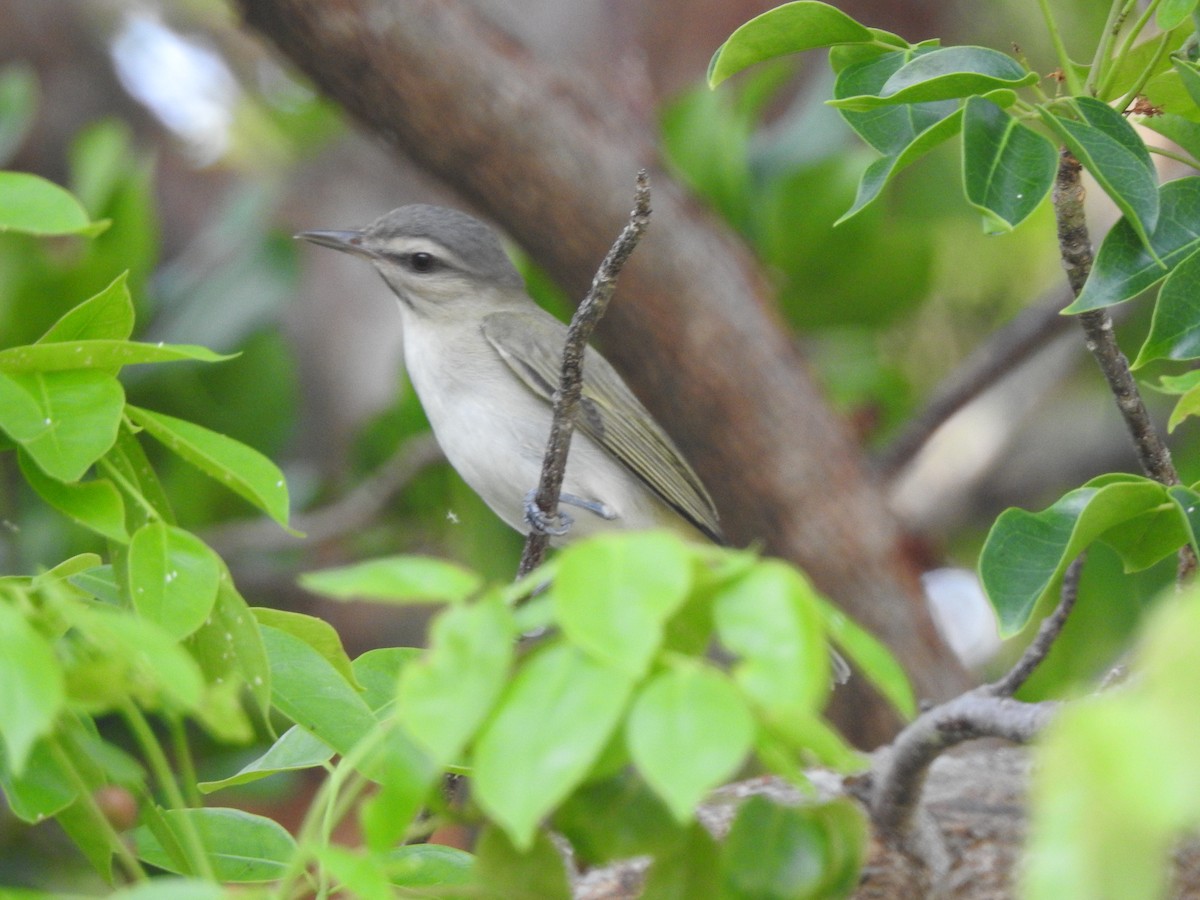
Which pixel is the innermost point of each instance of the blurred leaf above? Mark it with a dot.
(446, 695)
(504, 870)
(616, 818)
(551, 724)
(1124, 268)
(688, 871)
(428, 865)
(97, 354)
(614, 593)
(296, 749)
(1188, 387)
(1188, 502)
(317, 633)
(242, 469)
(791, 28)
(1132, 67)
(32, 692)
(1108, 147)
(396, 579)
(229, 647)
(64, 420)
(18, 107)
(1189, 77)
(171, 889)
(30, 204)
(871, 658)
(776, 852)
(1181, 131)
(1175, 328)
(240, 846)
(695, 708)
(41, 789)
(1008, 169)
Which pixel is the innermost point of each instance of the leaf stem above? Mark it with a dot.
(1100, 61)
(1164, 41)
(1060, 49)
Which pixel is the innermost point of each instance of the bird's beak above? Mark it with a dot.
(346, 241)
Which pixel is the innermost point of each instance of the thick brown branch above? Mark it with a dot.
(570, 386)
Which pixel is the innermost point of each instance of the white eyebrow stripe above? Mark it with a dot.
(406, 245)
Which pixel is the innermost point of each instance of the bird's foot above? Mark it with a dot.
(555, 525)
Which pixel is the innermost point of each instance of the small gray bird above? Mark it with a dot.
(484, 360)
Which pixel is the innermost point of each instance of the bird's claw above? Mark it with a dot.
(555, 525)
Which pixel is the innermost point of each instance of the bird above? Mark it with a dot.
(484, 360)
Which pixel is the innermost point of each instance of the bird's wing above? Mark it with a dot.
(531, 344)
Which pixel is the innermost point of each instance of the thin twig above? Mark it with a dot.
(1075, 247)
(566, 399)
(1011, 345)
(1048, 632)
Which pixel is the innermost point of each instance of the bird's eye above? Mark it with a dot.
(422, 262)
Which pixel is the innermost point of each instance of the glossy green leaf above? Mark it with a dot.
(64, 355)
(689, 730)
(880, 172)
(241, 847)
(229, 647)
(396, 579)
(1108, 147)
(32, 691)
(29, 204)
(791, 28)
(242, 469)
(445, 696)
(93, 504)
(615, 592)
(1124, 268)
(889, 129)
(106, 316)
(65, 421)
(1175, 328)
(776, 852)
(1008, 169)
(944, 73)
(1026, 554)
(769, 620)
(520, 774)
(295, 750)
(173, 577)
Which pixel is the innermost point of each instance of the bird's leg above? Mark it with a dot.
(554, 525)
(593, 506)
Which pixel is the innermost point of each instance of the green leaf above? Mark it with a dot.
(550, 726)
(64, 420)
(1189, 76)
(1188, 502)
(1108, 147)
(445, 696)
(317, 633)
(93, 504)
(242, 469)
(1124, 267)
(32, 690)
(229, 647)
(791, 28)
(944, 73)
(62, 355)
(428, 865)
(296, 749)
(171, 889)
(615, 592)
(688, 871)
(1175, 327)
(776, 852)
(616, 818)
(768, 618)
(312, 693)
(396, 579)
(41, 789)
(173, 577)
(240, 846)
(696, 707)
(106, 316)
(1188, 387)
(889, 129)
(1178, 129)
(1008, 169)
(29, 204)
(504, 870)
(1172, 13)
(1026, 554)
